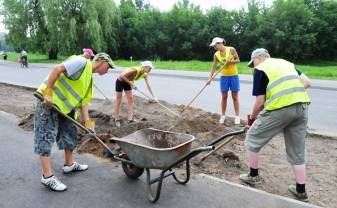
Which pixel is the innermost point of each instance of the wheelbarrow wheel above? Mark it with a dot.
(131, 170)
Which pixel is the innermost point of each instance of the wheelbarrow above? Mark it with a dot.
(156, 149)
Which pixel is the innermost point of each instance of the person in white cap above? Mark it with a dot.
(229, 80)
(281, 106)
(126, 82)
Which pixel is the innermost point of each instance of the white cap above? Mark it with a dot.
(147, 63)
(216, 40)
(256, 53)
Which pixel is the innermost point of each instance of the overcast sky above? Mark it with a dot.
(165, 5)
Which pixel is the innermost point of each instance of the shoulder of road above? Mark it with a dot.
(329, 85)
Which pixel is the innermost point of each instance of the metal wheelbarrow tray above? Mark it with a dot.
(156, 149)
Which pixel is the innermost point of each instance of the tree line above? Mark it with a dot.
(299, 30)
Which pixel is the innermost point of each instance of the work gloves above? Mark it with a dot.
(90, 125)
(48, 100)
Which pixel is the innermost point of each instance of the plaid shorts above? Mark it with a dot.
(49, 127)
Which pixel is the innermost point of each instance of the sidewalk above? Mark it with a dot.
(105, 185)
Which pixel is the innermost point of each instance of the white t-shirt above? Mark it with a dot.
(23, 53)
(74, 67)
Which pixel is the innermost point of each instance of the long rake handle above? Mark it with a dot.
(101, 92)
(40, 97)
(202, 89)
(163, 106)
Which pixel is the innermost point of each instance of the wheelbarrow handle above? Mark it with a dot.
(220, 138)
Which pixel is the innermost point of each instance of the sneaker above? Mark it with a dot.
(53, 183)
(249, 179)
(300, 196)
(131, 121)
(237, 120)
(118, 123)
(74, 168)
(222, 119)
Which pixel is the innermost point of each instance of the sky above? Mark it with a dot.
(165, 5)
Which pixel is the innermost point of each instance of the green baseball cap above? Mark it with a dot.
(104, 57)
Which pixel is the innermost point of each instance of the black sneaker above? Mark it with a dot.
(300, 196)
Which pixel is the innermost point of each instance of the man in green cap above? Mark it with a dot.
(69, 87)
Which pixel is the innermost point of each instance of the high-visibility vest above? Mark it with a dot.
(138, 75)
(285, 87)
(228, 69)
(68, 94)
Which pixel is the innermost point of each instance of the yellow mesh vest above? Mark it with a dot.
(71, 94)
(285, 87)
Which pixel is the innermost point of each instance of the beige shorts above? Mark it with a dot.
(291, 120)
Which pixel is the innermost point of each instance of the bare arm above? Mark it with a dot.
(305, 80)
(215, 62)
(258, 106)
(235, 59)
(148, 86)
(85, 113)
(54, 75)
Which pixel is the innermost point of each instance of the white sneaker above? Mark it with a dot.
(237, 120)
(74, 167)
(222, 119)
(53, 183)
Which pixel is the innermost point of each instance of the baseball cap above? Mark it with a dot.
(147, 63)
(104, 57)
(216, 40)
(88, 51)
(256, 53)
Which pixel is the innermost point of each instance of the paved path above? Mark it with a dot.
(105, 185)
(179, 87)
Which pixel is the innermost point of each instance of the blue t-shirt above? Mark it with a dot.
(260, 82)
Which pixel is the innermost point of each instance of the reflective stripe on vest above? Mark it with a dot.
(70, 94)
(284, 87)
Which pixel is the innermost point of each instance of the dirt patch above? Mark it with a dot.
(227, 163)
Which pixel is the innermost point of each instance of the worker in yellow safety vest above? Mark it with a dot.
(281, 106)
(126, 82)
(69, 88)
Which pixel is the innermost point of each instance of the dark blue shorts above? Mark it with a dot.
(231, 83)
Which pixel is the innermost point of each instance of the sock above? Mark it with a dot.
(48, 176)
(68, 165)
(300, 188)
(254, 172)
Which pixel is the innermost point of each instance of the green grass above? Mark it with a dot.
(319, 70)
(322, 70)
(36, 58)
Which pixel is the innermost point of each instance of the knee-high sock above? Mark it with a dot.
(300, 175)
(253, 158)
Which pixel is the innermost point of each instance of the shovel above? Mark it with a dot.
(55, 108)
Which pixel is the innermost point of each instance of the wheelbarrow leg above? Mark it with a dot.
(153, 198)
(187, 178)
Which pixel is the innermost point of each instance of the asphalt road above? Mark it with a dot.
(180, 87)
(105, 185)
